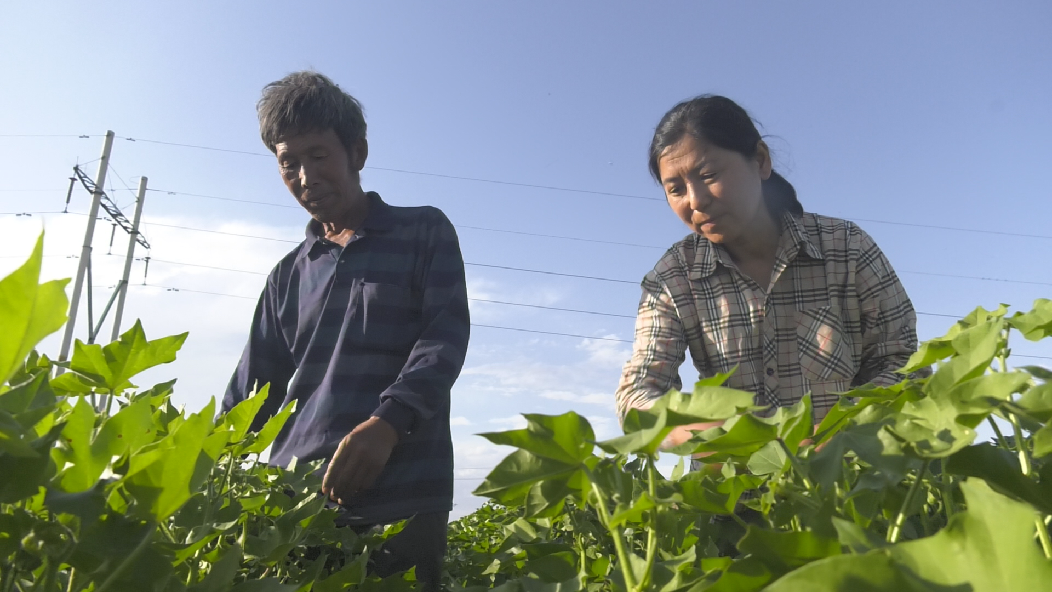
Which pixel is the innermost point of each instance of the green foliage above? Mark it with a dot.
(889, 492)
(139, 495)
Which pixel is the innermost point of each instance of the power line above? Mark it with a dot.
(541, 271)
(49, 136)
(528, 185)
(154, 260)
(954, 228)
(591, 312)
(523, 330)
(248, 201)
(544, 272)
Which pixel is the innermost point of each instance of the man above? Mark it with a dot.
(365, 325)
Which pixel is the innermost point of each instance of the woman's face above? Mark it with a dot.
(716, 192)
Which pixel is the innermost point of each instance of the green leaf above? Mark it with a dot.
(624, 514)
(980, 395)
(239, 419)
(1036, 324)
(975, 349)
(1037, 401)
(510, 480)
(929, 428)
(1043, 441)
(856, 538)
(23, 475)
(709, 491)
(29, 311)
(769, 460)
(264, 585)
(566, 438)
(270, 429)
(551, 562)
(222, 574)
(160, 477)
(706, 404)
(546, 498)
(990, 546)
(110, 367)
(998, 468)
(644, 432)
(872, 572)
(740, 437)
(746, 575)
(785, 551)
(795, 423)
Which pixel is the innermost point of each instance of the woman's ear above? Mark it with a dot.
(763, 160)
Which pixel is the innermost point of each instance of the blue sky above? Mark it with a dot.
(889, 114)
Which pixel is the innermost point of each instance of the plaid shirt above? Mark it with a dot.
(834, 316)
(376, 328)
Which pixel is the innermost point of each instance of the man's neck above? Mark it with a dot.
(341, 231)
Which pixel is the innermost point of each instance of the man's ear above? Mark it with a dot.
(763, 159)
(359, 154)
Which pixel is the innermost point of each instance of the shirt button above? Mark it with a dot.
(770, 372)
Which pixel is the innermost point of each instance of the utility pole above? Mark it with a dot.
(122, 288)
(85, 253)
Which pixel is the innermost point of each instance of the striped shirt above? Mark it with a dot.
(376, 328)
(833, 316)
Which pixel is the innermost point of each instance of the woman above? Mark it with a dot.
(799, 303)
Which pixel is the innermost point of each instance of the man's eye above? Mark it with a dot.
(675, 191)
(708, 177)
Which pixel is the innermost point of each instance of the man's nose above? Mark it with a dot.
(307, 175)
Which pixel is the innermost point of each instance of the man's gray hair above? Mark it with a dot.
(304, 102)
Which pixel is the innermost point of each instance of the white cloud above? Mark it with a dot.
(459, 421)
(515, 422)
(588, 399)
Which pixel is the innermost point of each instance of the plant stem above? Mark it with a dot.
(1042, 534)
(1000, 437)
(798, 467)
(72, 574)
(900, 519)
(619, 545)
(652, 529)
(117, 573)
(1020, 446)
(947, 496)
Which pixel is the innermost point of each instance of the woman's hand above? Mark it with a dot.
(681, 434)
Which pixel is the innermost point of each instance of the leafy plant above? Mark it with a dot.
(891, 492)
(107, 487)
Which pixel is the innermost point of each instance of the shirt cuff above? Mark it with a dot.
(400, 416)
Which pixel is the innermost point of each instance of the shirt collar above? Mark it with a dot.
(795, 238)
(377, 221)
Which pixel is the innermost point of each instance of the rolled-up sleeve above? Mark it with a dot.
(423, 386)
(889, 322)
(658, 350)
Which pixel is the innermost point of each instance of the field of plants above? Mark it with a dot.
(106, 486)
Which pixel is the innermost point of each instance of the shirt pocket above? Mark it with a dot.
(825, 350)
(390, 317)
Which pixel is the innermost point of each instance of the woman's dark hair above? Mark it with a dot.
(724, 123)
(305, 102)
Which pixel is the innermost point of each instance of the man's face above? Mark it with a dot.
(321, 174)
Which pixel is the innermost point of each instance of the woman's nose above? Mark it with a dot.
(699, 197)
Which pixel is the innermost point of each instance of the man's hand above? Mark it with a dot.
(359, 459)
